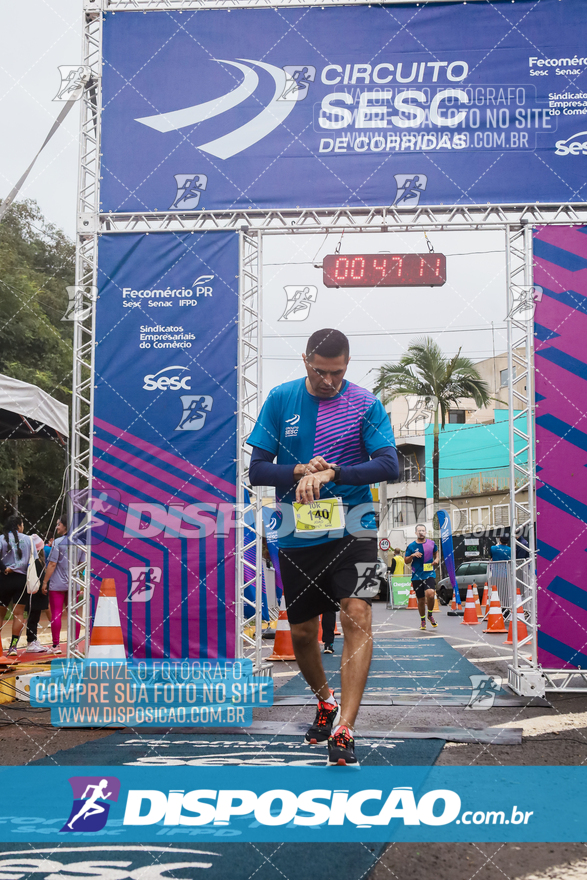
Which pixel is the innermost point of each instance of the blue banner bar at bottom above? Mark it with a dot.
(293, 804)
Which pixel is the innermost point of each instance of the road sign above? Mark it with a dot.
(384, 544)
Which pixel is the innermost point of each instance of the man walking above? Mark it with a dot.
(331, 440)
(423, 555)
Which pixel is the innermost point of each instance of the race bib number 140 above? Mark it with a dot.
(326, 514)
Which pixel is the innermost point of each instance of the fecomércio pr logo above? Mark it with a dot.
(91, 796)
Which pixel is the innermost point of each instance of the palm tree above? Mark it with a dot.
(425, 372)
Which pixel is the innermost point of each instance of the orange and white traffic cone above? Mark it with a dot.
(455, 610)
(470, 618)
(436, 604)
(106, 639)
(495, 622)
(336, 632)
(412, 600)
(522, 629)
(477, 603)
(283, 646)
(485, 600)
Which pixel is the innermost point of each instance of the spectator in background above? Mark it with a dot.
(501, 551)
(15, 552)
(328, 627)
(38, 603)
(522, 552)
(56, 580)
(397, 563)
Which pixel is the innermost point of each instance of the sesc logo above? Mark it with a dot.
(135, 862)
(159, 382)
(290, 83)
(574, 145)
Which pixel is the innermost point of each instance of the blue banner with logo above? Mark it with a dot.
(165, 445)
(292, 804)
(271, 522)
(448, 550)
(383, 105)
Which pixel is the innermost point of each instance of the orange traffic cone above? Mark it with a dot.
(477, 603)
(436, 604)
(485, 600)
(336, 632)
(320, 635)
(495, 623)
(412, 600)
(522, 630)
(106, 640)
(283, 646)
(470, 618)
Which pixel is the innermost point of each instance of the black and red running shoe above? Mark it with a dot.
(341, 749)
(326, 718)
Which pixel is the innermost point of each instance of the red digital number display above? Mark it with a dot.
(384, 270)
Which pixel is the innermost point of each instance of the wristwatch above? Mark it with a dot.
(336, 470)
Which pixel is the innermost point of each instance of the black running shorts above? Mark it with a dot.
(13, 589)
(420, 587)
(315, 579)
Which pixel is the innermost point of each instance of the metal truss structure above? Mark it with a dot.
(523, 674)
(516, 220)
(82, 407)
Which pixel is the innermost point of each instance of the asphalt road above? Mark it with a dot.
(552, 735)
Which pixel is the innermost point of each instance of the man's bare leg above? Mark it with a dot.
(304, 637)
(355, 616)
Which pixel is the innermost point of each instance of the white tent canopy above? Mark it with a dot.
(27, 412)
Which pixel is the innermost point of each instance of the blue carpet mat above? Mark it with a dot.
(402, 667)
(211, 858)
(144, 749)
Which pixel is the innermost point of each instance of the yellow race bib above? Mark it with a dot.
(428, 566)
(326, 514)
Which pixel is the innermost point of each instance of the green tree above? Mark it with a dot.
(36, 266)
(424, 371)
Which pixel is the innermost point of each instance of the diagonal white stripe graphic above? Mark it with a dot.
(177, 119)
(263, 124)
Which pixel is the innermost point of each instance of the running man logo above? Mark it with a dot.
(409, 189)
(73, 79)
(298, 82)
(189, 189)
(195, 411)
(90, 802)
(79, 305)
(298, 302)
(143, 580)
(369, 578)
(484, 689)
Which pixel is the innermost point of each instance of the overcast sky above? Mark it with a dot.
(36, 36)
(381, 322)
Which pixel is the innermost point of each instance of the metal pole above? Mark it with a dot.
(259, 493)
(511, 439)
(530, 430)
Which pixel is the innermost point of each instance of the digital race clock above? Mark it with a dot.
(384, 270)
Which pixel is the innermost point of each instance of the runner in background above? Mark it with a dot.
(332, 439)
(423, 556)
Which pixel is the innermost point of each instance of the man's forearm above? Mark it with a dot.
(383, 467)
